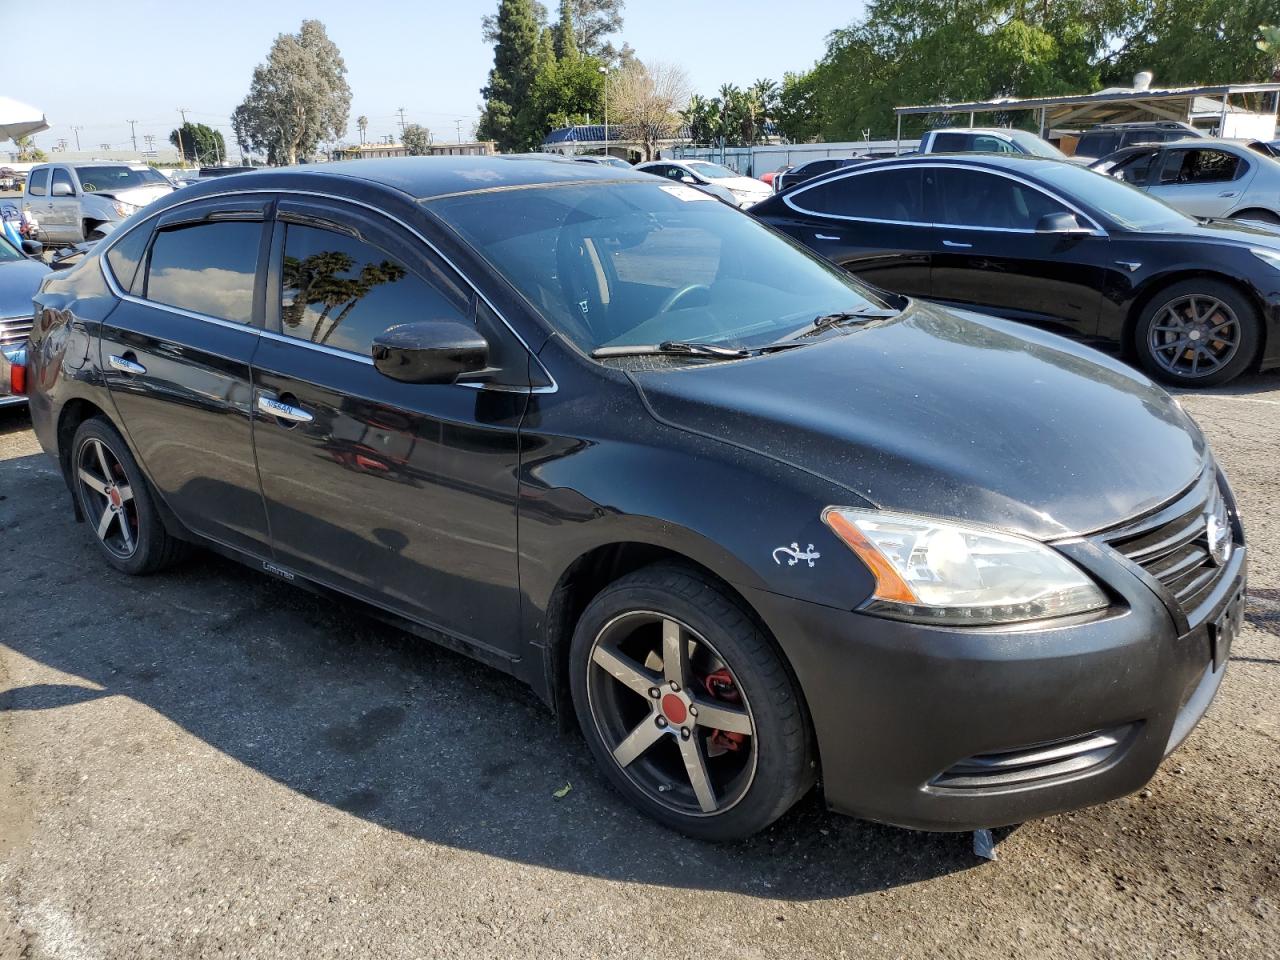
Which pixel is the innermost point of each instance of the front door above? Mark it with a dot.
(1202, 181)
(175, 353)
(62, 221)
(991, 254)
(402, 494)
(872, 224)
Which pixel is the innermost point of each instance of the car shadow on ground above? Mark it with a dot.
(369, 720)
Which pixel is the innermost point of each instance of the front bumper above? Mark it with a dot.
(914, 723)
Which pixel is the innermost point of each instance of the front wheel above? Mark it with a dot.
(1198, 333)
(687, 706)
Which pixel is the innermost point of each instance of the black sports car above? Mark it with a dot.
(753, 523)
(1056, 245)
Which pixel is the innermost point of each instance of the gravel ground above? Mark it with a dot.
(212, 764)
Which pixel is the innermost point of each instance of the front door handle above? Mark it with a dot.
(127, 364)
(957, 245)
(281, 410)
(824, 236)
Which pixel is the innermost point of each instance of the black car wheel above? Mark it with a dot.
(117, 502)
(1198, 333)
(687, 706)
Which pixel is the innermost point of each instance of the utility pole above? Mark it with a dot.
(401, 112)
(605, 71)
(77, 130)
(182, 153)
(459, 123)
(133, 133)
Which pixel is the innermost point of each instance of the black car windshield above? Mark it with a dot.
(630, 264)
(1127, 206)
(94, 179)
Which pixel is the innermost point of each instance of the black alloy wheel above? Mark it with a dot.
(1198, 333)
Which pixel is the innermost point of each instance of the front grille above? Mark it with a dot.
(1037, 761)
(1173, 546)
(14, 330)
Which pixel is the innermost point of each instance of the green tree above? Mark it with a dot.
(1269, 43)
(517, 54)
(28, 152)
(362, 124)
(799, 115)
(701, 117)
(566, 40)
(297, 98)
(199, 143)
(417, 139)
(565, 92)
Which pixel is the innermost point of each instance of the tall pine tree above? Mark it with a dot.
(517, 55)
(565, 39)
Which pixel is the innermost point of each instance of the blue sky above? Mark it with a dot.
(150, 58)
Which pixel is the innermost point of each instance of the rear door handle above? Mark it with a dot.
(1228, 193)
(281, 410)
(126, 364)
(957, 245)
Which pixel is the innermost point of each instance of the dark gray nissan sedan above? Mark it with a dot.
(755, 524)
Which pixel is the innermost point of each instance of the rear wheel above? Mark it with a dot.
(687, 706)
(1259, 216)
(1198, 333)
(117, 503)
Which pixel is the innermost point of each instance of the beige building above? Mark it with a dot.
(474, 148)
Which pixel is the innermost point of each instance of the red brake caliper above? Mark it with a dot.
(720, 687)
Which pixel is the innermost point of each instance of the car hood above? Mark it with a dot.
(952, 414)
(19, 281)
(138, 196)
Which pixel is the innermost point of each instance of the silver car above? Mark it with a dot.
(1203, 177)
(71, 202)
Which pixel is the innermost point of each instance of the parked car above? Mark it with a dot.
(1107, 138)
(1054, 245)
(987, 140)
(814, 168)
(1203, 177)
(926, 524)
(603, 160)
(712, 178)
(21, 272)
(73, 201)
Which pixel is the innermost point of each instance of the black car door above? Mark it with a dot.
(175, 354)
(402, 494)
(999, 250)
(870, 222)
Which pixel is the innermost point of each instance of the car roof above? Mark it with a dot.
(424, 178)
(999, 131)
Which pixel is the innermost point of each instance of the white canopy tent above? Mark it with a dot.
(19, 120)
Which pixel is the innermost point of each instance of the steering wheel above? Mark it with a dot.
(678, 295)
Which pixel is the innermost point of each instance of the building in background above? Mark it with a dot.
(368, 151)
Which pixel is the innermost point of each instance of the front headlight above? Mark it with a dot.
(123, 209)
(937, 571)
(1270, 257)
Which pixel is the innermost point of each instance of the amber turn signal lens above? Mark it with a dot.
(889, 585)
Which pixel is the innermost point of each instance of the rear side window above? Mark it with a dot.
(125, 255)
(208, 268)
(971, 198)
(38, 183)
(1199, 166)
(951, 143)
(342, 292)
(880, 195)
(988, 144)
(1098, 144)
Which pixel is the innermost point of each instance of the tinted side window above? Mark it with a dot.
(125, 255)
(971, 198)
(1136, 168)
(880, 195)
(1098, 144)
(950, 143)
(38, 183)
(61, 177)
(1199, 166)
(986, 144)
(206, 267)
(342, 292)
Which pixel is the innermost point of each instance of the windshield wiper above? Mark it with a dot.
(673, 348)
(830, 320)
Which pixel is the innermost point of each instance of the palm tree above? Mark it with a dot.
(362, 124)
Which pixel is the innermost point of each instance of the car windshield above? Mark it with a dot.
(94, 179)
(632, 264)
(8, 251)
(712, 171)
(1035, 146)
(1127, 206)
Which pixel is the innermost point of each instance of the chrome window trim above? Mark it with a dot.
(192, 314)
(858, 171)
(115, 238)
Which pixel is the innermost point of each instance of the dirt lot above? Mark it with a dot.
(212, 764)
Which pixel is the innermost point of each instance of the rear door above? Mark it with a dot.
(872, 223)
(989, 255)
(175, 353)
(402, 494)
(1203, 181)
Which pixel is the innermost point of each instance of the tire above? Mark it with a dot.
(1184, 318)
(1261, 216)
(126, 526)
(89, 230)
(739, 710)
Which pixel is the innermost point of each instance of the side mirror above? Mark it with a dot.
(32, 248)
(687, 178)
(61, 190)
(430, 351)
(1058, 223)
